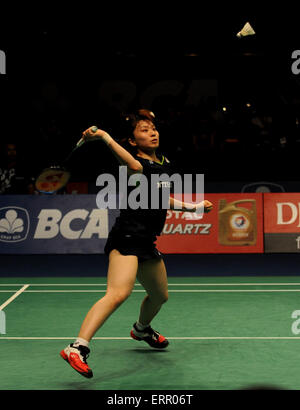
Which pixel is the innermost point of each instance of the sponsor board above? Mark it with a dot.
(238, 223)
(282, 222)
(235, 225)
(53, 224)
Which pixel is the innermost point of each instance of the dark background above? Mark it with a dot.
(57, 65)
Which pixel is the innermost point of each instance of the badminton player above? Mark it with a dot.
(131, 245)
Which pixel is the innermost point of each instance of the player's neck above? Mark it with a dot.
(148, 155)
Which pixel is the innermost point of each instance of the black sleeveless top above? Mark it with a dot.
(147, 222)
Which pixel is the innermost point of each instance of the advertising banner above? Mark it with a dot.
(282, 222)
(235, 225)
(74, 224)
(53, 224)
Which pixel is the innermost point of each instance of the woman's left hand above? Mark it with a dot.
(207, 206)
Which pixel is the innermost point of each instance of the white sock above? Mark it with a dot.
(140, 327)
(80, 341)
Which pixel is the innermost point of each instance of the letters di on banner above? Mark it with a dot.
(282, 222)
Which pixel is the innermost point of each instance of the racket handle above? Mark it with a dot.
(81, 141)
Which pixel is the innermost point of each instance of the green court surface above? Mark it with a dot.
(225, 333)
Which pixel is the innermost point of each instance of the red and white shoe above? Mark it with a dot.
(76, 357)
(150, 336)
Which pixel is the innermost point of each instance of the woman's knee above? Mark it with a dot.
(117, 297)
(159, 298)
(165, 297)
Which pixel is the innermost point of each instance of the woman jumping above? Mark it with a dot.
(131, 245)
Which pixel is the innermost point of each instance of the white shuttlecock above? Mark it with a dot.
(247, 30)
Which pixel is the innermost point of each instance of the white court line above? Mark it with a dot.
(170, 338)
(169, 284)
(170, 291)
(13, 297)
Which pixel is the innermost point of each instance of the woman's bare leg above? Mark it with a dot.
(121, 277)
(153, 277)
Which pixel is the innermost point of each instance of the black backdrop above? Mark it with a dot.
(57, 69)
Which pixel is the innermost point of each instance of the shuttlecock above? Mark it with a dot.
(247, 30)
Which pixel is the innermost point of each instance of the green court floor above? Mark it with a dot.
(225, 333)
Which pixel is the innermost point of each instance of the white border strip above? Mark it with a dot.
(170, 338)
(13, 297)
(170, 291)
(169, 284)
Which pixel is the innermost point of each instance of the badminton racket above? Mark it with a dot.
(54, 178)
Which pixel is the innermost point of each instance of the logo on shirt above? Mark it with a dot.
(164, 184)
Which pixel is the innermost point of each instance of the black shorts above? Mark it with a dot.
(127, 244)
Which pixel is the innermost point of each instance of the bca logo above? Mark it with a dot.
(76, 224)
(14, 224)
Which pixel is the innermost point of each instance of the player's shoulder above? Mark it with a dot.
(167, 162)
(163, 160)
(162, 163)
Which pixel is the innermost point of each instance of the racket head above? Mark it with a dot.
(52, 179)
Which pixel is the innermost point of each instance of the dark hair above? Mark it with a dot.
(131, 120)
(129, 123)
